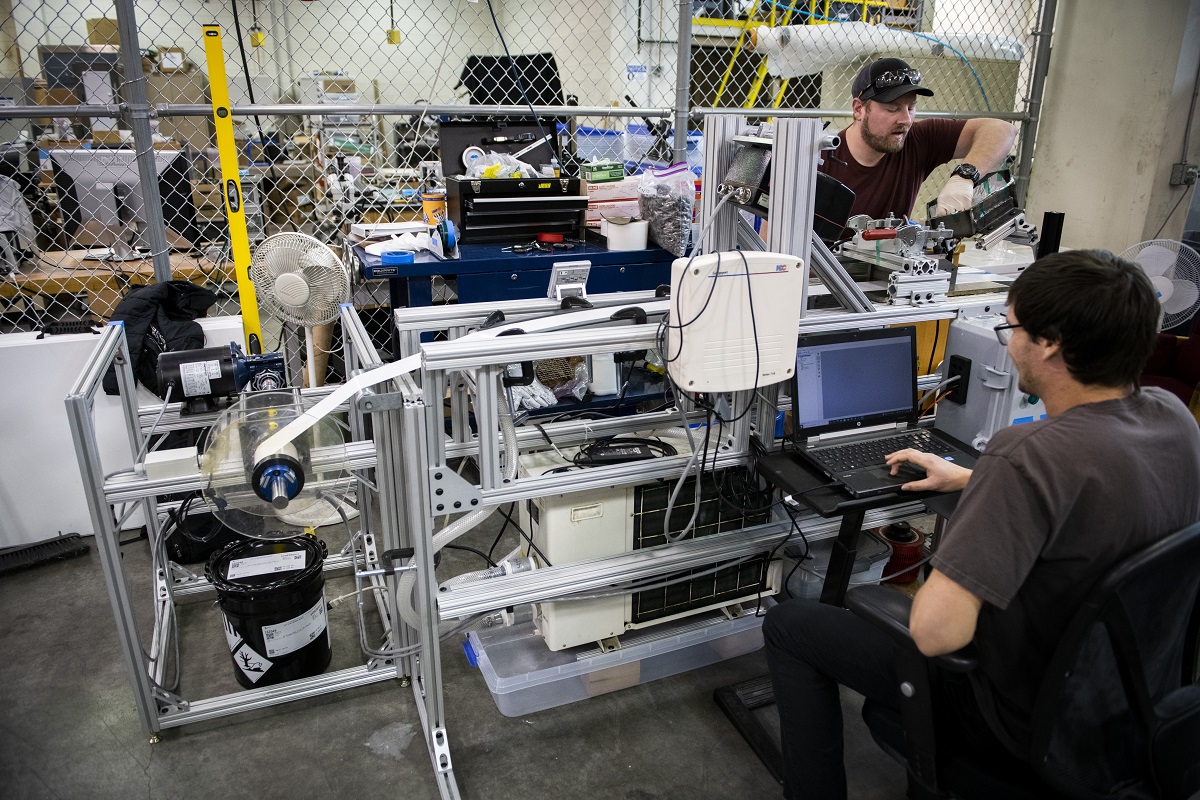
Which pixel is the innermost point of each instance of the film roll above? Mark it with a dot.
(907, 544)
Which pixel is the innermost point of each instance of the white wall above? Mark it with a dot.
(331, 34)
(1115, 106)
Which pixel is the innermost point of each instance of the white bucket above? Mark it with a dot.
(630, 236)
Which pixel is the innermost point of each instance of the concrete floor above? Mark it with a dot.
(69, 728)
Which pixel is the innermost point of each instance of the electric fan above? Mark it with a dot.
(302, 281)
(1174, 269)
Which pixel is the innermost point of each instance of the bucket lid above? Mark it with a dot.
(255, 566)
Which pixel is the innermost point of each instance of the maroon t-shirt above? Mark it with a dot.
(893, 183)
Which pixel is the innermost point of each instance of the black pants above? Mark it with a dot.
(811, 648)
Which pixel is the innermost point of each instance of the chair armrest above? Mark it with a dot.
(889, 610)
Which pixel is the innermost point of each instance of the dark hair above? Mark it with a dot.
(1101, 309)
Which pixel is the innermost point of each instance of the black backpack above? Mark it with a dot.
(159, 318)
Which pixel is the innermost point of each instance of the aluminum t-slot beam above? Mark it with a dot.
(748, 238)
(426, 318)
(351, 456)
(469, 353)
(837, 280)
(553, 582)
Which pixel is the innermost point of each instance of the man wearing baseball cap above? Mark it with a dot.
(885, 155)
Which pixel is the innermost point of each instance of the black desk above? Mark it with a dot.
(803, 482)
(809, 486)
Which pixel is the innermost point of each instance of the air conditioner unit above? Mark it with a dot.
(581, 526)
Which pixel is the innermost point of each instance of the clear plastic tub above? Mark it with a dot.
(525, 676)
(809, 578)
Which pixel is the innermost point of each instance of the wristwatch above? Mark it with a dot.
(968, 171)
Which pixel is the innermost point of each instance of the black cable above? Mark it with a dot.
(511, 507)
(479, 553)
(528, 538)
(937, 330)
(593, 453)
(237, 26)
(1170, 214)
(802, 558)
(512, 65)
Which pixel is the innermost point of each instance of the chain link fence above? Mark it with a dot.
(603, 76)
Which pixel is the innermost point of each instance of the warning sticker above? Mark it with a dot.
(287, 637)
(231, 636)
(263, 565)
(250, 662)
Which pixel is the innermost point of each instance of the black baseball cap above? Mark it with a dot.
(886, 79)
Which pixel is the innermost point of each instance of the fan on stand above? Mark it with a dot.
(1174, 269)
(300, 280)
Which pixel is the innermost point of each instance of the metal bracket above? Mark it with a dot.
(449, 492)
(168, 700)
(375, 403)
(441, 749)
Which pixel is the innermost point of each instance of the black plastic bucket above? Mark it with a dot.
(272, 595)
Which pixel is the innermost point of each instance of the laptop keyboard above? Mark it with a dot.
(871, 453)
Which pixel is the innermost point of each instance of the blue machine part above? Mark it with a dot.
(278, 480)
(257, 373)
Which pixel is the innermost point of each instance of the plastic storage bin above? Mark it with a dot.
(597, 144)
(808, 578)
(525, 676)
(638, 141)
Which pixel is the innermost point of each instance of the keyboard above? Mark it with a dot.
(842, 457)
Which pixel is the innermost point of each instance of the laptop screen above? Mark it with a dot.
(854, 379)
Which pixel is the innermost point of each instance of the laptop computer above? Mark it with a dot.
(854, 400)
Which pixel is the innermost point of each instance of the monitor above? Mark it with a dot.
(102, 191)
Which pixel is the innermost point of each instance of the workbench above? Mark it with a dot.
(103, 282)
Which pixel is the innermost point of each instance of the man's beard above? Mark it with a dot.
(882, 144)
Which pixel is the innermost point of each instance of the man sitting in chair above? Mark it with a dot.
(1051, 507)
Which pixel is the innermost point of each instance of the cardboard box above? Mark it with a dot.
(102, 31)
(180, 88)
(626, 189)
(616, 208)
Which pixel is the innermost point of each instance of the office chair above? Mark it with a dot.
(1118, 710)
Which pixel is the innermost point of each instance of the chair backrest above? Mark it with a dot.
(1118, 713)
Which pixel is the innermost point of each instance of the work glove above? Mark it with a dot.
(533, 396)
(957, 195)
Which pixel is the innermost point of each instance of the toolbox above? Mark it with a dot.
(514, 209)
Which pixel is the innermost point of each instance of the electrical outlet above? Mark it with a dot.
(1183, 174)
(960, 367)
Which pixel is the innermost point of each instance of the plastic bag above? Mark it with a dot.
(666, 197)
(500, 165)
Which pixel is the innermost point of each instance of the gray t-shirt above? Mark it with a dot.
(1051, 507)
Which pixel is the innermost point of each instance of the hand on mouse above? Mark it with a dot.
(940, 474)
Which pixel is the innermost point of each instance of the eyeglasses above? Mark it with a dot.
(1004, 331)
(891, 78)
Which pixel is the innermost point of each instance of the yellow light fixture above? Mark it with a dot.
(258, 37)
(394, 36)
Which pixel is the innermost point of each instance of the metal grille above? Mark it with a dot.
(78, 80)
(728, 584)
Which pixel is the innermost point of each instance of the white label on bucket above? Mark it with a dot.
(263, 565)
(287, 637)
(251, 663)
